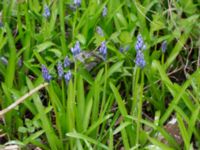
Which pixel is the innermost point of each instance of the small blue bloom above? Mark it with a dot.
(60, 70)
(121, 49)
(103, 50)
(66, 62)
(68, 76)
(140, 61)
(140, 43)
(164, 46)
(99, 31)
(124, 49)
(46, 13)
(105, 10)
(1, 24)
(45, 73)
(4, 60)
(20, 62)
(77, 2)
(76, 49)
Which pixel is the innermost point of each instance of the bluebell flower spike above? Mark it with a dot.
(46, 13)
(76, 49)
(66, 62)
(1, 24)
(4, 60)
(60, 70)
(104, 12)
(103, 50)
(164, 46)
(140, 43)
(121, 49)
(140, 61)
(77, 3)
(99, 31)
(67, 77)
(45, 73)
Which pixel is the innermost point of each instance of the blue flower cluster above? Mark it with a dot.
(46, 13)
(164, 46)
(45, 73)
(140, 43)
(60, 70)
(66, 62)
(103, 50)
(76, 49)
(140, 61)
(67, 76)
(140, 47)
(77, 2)
(99, 31)
(104, 12)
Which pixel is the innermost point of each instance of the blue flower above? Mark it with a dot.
(164, 46)
(45, 73)
(76, 49)
(124, 49)
(68, 76)
(140, 43)
(103, 50)
(60, 70)
(1, 24)
(20, 62)
(105, 10)
(99, 31)
(4, 60)
(77, 2)
(121, 49)
(140, 61)
(46, 13)
(66, 62)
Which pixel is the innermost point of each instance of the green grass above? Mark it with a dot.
(115, 104)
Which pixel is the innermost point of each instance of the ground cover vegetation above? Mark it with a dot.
(99, 74)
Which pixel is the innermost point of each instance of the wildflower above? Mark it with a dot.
(45, 73)
(103, 50)
(77, 2)
(46, 13)
(140, 43)
(76, 49)
(105, 10)
(99, 31)
(66, 62)
(20, 62)
(140, 61)
(4, 60)
(121, 49)
(60, 70)
(68, 76)
(164, 46)
(1, 24)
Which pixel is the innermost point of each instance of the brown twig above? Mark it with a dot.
(21, 99)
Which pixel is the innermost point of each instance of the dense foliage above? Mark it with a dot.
(100, 74)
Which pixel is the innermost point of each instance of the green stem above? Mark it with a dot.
(105, 86)
(63, 93)
(74, 25)
(140, 108)
(134, 89)
(163, 59)
(62, 25)
(163, 87)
